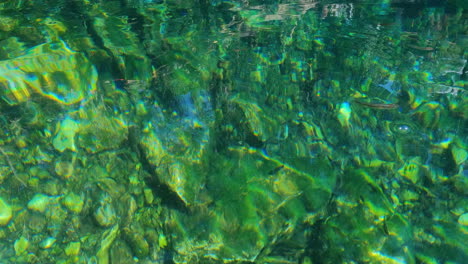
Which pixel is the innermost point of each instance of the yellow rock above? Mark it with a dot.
(52, 70)
(463, 219)
(410, 171)
(73, 249)
(21, 245)
(162, 241)
(73, 202)
(65, 136)
(39, 203)
(5, 212)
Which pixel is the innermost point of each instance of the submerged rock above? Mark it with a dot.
(175, 144)
(73, 202)
(52, 70)
(463, 219)
(39, 203)
(5, 212)
(21, 245)
(65, 135)
(73, 249)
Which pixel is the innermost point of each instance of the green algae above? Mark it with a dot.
(228, 132)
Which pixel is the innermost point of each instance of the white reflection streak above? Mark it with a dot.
(338, 10)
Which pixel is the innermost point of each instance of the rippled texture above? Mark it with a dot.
(233, 131)
(51, 70)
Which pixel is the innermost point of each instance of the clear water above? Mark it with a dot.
(233, 131)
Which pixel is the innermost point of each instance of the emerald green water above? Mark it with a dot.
(233, 132)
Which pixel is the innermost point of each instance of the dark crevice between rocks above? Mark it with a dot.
(168, 197)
